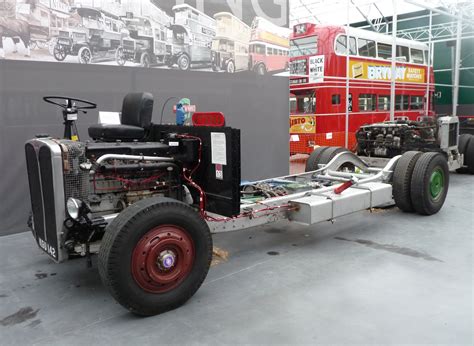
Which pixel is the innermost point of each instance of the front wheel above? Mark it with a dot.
(145, 60)
(155, 255)
(120, 56)
(184, 63)
(261, 70)
(59, 52)
(84, 55)
(230, 67)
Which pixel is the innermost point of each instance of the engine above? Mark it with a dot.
(111, 186)
(102, 179)
(389, 139)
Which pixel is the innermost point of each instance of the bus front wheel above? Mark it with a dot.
(230, 67)
(261, 70)
(184, 63)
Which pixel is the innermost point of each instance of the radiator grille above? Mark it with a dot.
(453, 135)
(34, 179)
(75, 180)
(43, 182)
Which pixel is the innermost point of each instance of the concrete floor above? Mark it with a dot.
(380, 278)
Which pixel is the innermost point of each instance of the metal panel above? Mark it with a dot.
(311, 209)
(380, 193)
(36, 193)
(47, 180)
(45, 173)
(348, 202)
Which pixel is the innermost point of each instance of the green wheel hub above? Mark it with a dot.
(436, 183)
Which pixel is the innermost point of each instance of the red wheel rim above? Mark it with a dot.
(162, 259)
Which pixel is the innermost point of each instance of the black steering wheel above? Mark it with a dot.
(70, 103)
(71, 106)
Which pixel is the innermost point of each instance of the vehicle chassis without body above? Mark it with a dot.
(148, 205)
(368, 189)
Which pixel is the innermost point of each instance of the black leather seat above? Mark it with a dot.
(137, 110)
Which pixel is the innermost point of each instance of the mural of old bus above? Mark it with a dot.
(193, 32)
(269, 46)
(99, 35)
(230, 47)
(142, 33)
(152, 45)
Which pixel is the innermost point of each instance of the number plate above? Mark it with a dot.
(63, 42)
(49, 249)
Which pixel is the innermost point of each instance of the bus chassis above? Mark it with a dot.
(147, 198)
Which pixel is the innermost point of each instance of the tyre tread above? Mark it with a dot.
(419, 193)
(116, 231)
(402, 177)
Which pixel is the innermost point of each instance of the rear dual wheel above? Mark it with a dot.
(155, 255)
(466, 147)
(420, 182)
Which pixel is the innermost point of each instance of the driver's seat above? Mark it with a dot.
(137, 110)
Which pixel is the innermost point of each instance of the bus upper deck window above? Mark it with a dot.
(416, 56)
(304, 46)
(384, 50)
(341, 44)
(352, 45)
(366, 48)
(402, 53)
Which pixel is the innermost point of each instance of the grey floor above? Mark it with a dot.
(380, 278)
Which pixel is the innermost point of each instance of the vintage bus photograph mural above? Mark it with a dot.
(143, 33)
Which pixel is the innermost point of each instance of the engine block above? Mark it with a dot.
(389, 139)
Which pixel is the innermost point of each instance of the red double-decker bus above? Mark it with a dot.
(318, 56)
(268, 47)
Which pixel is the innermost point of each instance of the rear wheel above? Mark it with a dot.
(402, 176)
(429, 184)
(464, 141)
(84, 55)
(469, 155)
(313, 159)
(155, 255)
(330, 153)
